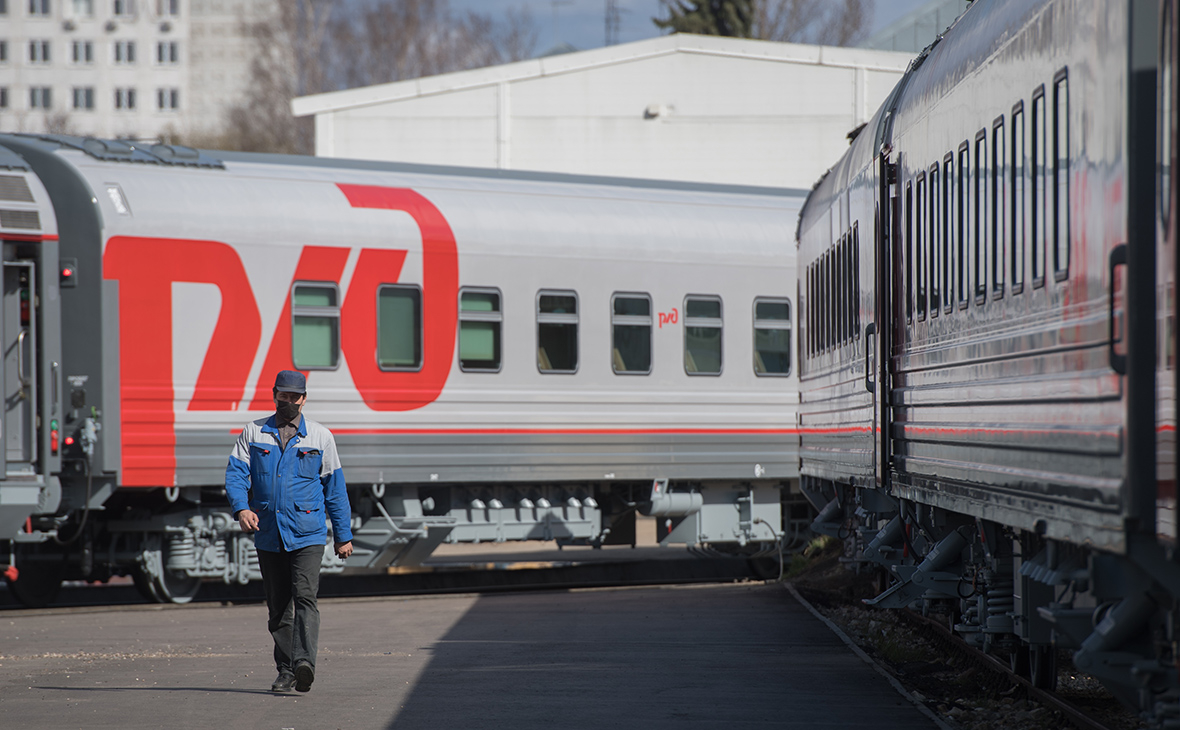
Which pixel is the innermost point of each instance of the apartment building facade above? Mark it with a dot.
(137, 69)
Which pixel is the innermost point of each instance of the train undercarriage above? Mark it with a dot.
(171, 540)
(1020, 595)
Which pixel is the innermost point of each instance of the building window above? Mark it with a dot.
(399, 327)
(83, 97)
(40, 97)
(39, 51)
(557, 331)
(772, 336)
(167, 99)
(3, 7)
(82, 51)
(83, 8)
(3, 97)
(167, 52)
(631, 334)
(315, 326)
(702, 335)
(480, 319)
(3, 51)
(39, 8)
(125, 99)
(167, 7)
(123, 7)
(124, 51)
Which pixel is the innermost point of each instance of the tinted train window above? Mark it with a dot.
(935, 241)
(557, 332)
(999, 201)
(315, 326)
(702, 335)
(1018, 182)
(950, 240)
(979, 220)
(772, 336)
(909, 252)
(631, 333)
(1039, 181)
(920, 236)
(399, 327)
(480, 318)
(962, 225)
(1061, 240)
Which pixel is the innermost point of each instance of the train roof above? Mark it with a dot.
(123, 151)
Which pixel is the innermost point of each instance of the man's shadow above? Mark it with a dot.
(171, 689)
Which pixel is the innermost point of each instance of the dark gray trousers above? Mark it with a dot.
(292, 581)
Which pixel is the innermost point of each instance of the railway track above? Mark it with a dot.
(977, 680)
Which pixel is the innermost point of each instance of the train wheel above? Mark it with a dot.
(1042, 667)
(155, 582)
(38, 583)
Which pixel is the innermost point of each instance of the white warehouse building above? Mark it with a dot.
(679, 107)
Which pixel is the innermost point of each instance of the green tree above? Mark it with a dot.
(733, 18)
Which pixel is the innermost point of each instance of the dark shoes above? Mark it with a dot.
(284, 683)
(304, 676)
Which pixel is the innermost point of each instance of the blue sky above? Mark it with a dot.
(581, 22)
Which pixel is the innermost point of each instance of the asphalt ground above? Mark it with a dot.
(733, 656)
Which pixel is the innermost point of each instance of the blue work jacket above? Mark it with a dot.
(289, 489)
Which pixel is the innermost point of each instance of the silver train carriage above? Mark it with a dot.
(501, 356)
(987, 372)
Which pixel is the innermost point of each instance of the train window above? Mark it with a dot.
(399, 327)
(557, 332)
(979, 220)
(702, 335)
(1061, 160)
(842, 290)
(315, 325)
(999, 201)
(963, 227)
(631, 334)
(850, 285)
(909, 252)
(920, 236)
(934, 241)
(772, 337)
(1018, 182)
(1039, 184)
(855, 281)
(826, 298)
(809, 303)
(480, 320)
(950, 235)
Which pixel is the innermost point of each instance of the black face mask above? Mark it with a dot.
(288, 411)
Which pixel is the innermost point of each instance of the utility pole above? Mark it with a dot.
(612, 22)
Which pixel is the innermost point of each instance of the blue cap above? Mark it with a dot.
(290, 381)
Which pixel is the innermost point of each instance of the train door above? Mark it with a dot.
(1167, 275)
(882, 271)
(18, 333)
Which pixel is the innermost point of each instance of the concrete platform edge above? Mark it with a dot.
(869, 660)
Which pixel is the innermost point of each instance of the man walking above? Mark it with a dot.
(283, 474)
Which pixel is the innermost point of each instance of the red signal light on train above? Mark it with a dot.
(68, 272)
(69, 441)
